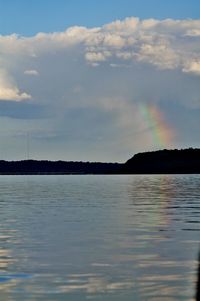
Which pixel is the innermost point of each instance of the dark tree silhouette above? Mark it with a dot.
(163, 161)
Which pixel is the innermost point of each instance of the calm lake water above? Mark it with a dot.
(99, 237)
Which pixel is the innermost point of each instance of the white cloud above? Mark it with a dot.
(95, 57)
(9, 91)
(31, 72)
(149, 23)
(12, 94)
(127, 26)
(160, 55)
(193, 67)
(165, 44)
(114, 41)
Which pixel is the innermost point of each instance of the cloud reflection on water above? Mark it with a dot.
(6, 258)
(126, 243)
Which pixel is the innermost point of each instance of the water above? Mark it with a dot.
(99, 237)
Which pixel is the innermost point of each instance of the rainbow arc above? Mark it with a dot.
(162, 133)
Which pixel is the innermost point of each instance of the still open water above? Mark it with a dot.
(102, 238)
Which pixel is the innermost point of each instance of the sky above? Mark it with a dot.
(98, 80)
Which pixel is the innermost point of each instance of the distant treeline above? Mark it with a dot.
(163, 161)
(57, 167)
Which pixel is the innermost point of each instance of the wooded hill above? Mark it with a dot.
(165, 161)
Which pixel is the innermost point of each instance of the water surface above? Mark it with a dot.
(99, 237)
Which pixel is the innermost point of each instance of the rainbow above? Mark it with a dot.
(161, 134)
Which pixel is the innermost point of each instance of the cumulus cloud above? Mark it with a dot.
(95, 57)
(126, 26)
(9, 91)
(165, 44)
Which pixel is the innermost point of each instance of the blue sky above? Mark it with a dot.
(29, 17)
(98, 80)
